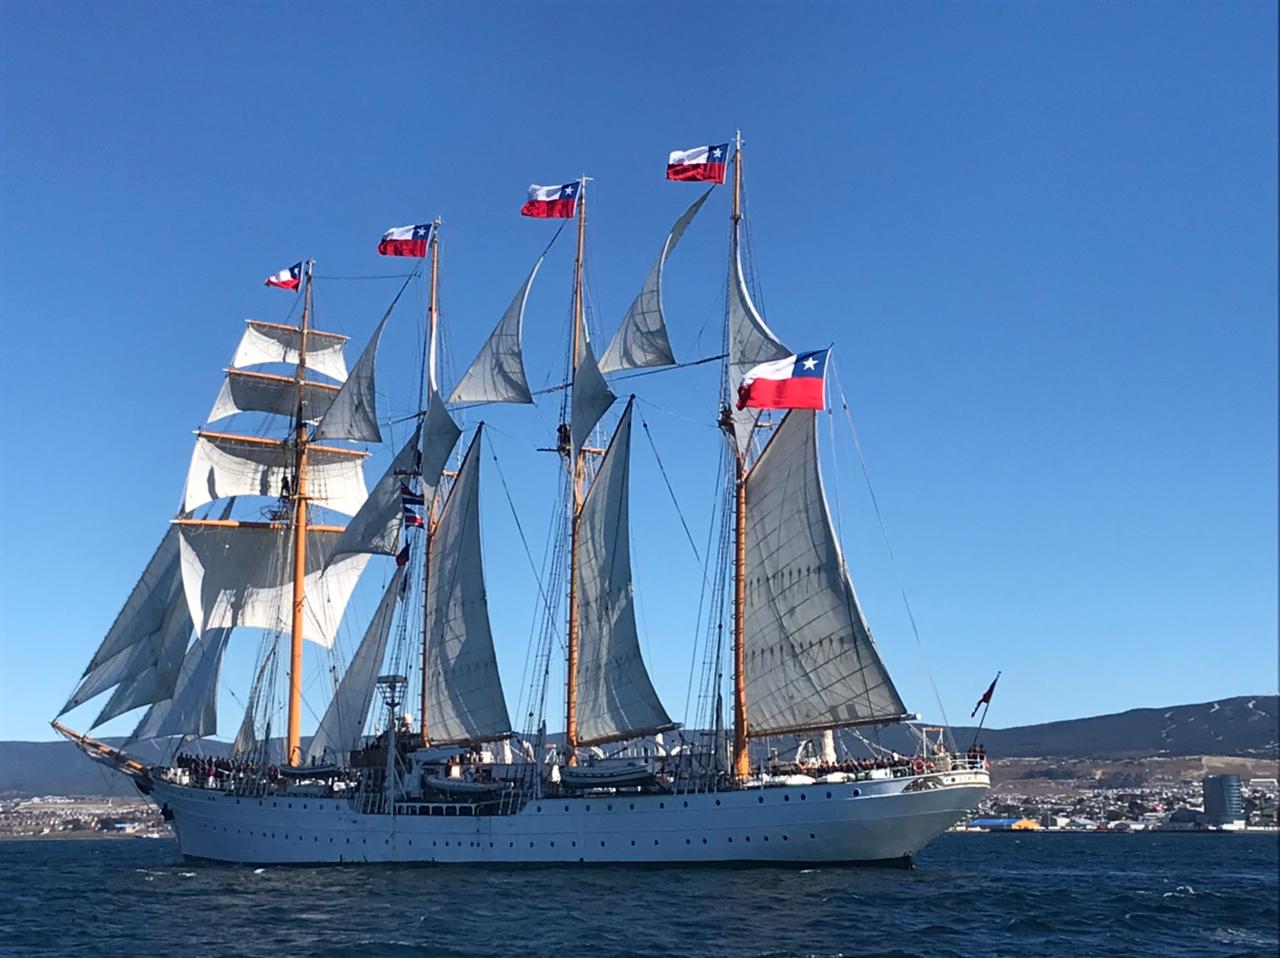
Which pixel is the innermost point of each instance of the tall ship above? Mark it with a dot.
(414, 755)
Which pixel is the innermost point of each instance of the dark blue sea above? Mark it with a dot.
(1032, 895)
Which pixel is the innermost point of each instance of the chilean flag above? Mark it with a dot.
(406, 240)
(704, 163)
(791, 383)
(551, 202)
(290, 278)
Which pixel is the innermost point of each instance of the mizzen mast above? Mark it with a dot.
(741, 758)
(577, 461)
(294, 749)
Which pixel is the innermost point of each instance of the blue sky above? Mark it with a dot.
(1041, 236)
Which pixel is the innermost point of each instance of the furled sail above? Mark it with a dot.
(243, 576)
(143, 648)
(616, 697)
(497, 373)
(464, 691)
(265, 343)
(751, 343)
(344, 719)
(811, 661)
(192, 710)
(353, 414)
(260, 392)
(642, 340)
(591, 398)
(224, 465)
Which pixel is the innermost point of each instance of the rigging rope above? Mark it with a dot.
(884, 532)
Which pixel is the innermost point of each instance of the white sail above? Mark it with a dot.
(642, 339)
(258, 392)
(497, 373)
(751, 343)
(353, 414)
(243, 576)
(224, 465)
(591, 398)
(192, 710)
(138, 647)
(615, 694)
(464, 691)
(811, 661)
(439, 435)
(265, 343)
(375, 528)
(246, 740)
(344, 719)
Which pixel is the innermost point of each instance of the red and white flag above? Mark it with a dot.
(986, 697)
(704, 163)
(551, 202)
(290, 278)
(791, 383)
(406, 240)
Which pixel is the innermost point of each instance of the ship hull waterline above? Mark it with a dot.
(839, 823)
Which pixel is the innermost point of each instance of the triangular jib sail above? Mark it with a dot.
(616, 698)
(142, 652)
(642, 339)
(497, 373)
(465, 702)
(811, 661)
(343, 721)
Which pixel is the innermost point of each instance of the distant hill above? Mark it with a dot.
(1244, 726)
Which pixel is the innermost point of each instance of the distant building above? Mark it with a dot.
(1223, 800)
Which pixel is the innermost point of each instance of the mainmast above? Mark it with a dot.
(294, 751)
(741, 758)
(577, 463)
(430, 507)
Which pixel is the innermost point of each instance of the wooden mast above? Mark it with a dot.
(430, 507)
(741, 757)
(576, 463)
(294, 749)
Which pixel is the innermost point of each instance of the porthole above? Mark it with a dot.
(655, 841)
(717, 801)
(632, 806)
(730, 839)
(802, 796)
(539, 808)
(812, 835)
(786, 798)
(704, 841)
(633, 843)
(857, 792)
(760, 800)
(566, 808)
(828, 794)
(662, 804)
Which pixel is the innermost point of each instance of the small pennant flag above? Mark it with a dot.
(705, 163)
(402, 557)
(290, 278)
(409, 501)
(986, 696)
(551, 202)
(791, 383)
(406, 240)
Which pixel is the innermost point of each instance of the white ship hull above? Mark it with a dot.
(867, 821)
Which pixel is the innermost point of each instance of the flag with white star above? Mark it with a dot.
(792, 383)
(704, 163)
(551, 202)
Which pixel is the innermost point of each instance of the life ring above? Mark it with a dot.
(918, 766)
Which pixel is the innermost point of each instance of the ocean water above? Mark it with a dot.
(1164, 895)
